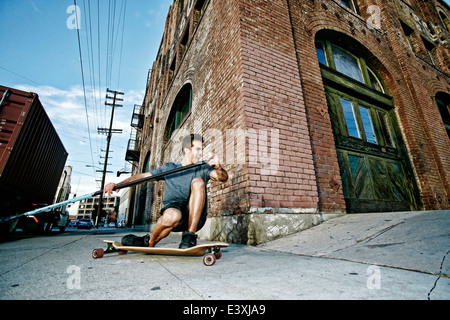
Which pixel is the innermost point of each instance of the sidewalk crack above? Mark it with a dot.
(440, 275)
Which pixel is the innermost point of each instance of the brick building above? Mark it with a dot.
(317, 107)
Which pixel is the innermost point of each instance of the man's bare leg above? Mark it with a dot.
(196, 203)
(171, 217)
(169, 220)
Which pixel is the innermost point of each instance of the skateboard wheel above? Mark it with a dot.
(122, 252)
(209, 259)
(218, 254)
(98, 253)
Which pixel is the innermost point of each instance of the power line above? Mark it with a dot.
(82, 78)
(90, 54)
(28, 79)
(99, 49)
(121, 43)
(94, 62)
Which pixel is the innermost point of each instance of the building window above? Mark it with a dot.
(180, 109)
(367, 124)
(429, 46)
(320, 50)
(346, 63)
(350, 118)
(409, 33)
(443, 103)
(374, 81)
(200, 6)
(361, 120)
(199, 10)
(184, 42)
(385, 128)
(350, 4)
(445, 20)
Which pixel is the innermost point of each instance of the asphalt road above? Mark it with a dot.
(399, 256)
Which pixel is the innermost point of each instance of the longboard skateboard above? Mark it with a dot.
(211, 251)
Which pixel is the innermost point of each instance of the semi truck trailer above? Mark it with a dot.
(32, 159)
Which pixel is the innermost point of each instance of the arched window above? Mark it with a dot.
(443, 103)
(348, 64)
(180, 109)
(142, 196)
(445, 20)
(350, 4)
(362, 120)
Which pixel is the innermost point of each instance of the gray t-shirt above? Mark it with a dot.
(178, 185)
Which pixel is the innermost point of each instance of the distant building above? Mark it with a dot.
(123, 205)
(63, 191)
(85, 207)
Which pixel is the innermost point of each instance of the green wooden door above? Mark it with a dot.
(373, 159)
(374, 167)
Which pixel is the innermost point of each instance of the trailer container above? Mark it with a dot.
(32, 156)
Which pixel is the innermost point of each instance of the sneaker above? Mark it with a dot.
(188, 240)
(135, 241)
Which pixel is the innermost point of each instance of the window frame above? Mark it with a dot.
(358, 61)
(351, 5)
(385, 136)
(364, 68)
(444, 112)
(377, 79)
(179, 112)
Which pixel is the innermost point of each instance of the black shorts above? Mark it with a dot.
(183, 225)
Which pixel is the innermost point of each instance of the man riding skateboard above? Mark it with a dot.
(185, 198)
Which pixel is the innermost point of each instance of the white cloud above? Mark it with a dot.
(34, 6)
(66, 109)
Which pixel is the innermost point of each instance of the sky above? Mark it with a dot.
(40, 53)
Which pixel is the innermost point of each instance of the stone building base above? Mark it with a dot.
(257, 228)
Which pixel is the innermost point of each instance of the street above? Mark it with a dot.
(367, 256)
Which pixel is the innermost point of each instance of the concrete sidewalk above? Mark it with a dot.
(354, 257)
(406, 240)
(403, 245)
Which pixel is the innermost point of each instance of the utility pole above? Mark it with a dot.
(109, 131)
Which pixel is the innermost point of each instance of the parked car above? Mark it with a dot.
(85, 224)
(73, 224)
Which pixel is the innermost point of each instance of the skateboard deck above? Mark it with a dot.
(210, 251)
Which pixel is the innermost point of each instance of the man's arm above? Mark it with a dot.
(219, 173)
(109, 188)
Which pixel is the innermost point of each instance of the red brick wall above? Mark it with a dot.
(273, 100)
